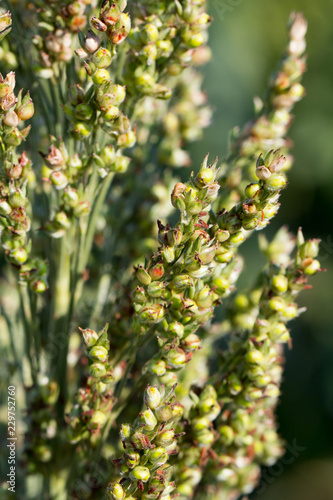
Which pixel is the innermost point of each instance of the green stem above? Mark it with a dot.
(61, 306)
(10, 328)
(27, 331)
(88, 239)
(101, 298)
(35, 327)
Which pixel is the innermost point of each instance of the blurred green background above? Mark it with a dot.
(247, 37)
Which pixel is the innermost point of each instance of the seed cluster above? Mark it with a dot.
(15, 222)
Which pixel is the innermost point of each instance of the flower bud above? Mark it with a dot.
(200, 423)
(5, 208)
(275, 182)
(18, 256)
(119, 94)
(234, 384)
(177, 411)
(102, 58)
(278, 332)
(177, 197)
(191, 342)
(55, 158)
(298, 26)
(59, 179)
(174, 237)
(276, 304)
(309, 249)
(132, 459)
(26, 111)
(226, 434)
(116, 492)
(250, 223)
(252, 393)
(38, 286)
(98, 419)
(147, 418)
(127, 140)
(291, 311)
(310, 266)
(98, 24)
(11, 119)
(98, 353)
(92, 42)
(5, 24)
(97, 370)
(223, 255)
(176, 358)
(176, 328)
(164, 413)
(143, 276)
(101, 76)
(165, 438)
(110, 14)
(251, 190)
(17, 199)
(263, 173)
(182, 281)
(108, 155)
(158, 456)
(121, 29)
(156, 272)
(272, 391)
(205, 438)
(205, 176)
(149, 33)
(121, 164)
(81, 131)
(61, 221)
(193, 39)
(168, 254)
(152, 314)
(70, 198)
(90, 337)
(157, 368)
(169, 379)
(156, 288)
(13, 137)
(111, 113)
(253, 356)
(83, 112)
(19, 215)
(125, 431)
(152, 397)
(235, 239)
(14, 171)
(140, 473)
(209, 408)
(139, 295)
(222, 284)
(280, 283)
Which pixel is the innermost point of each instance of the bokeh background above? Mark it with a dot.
(247, 37)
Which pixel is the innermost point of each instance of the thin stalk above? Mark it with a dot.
(35, 327)
(27, 331)
(46, 106)
(52, 85)
(60, 315)
(87, 242)
(10, 329)
(101, 298)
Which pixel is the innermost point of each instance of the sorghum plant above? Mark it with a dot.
(89, 153)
